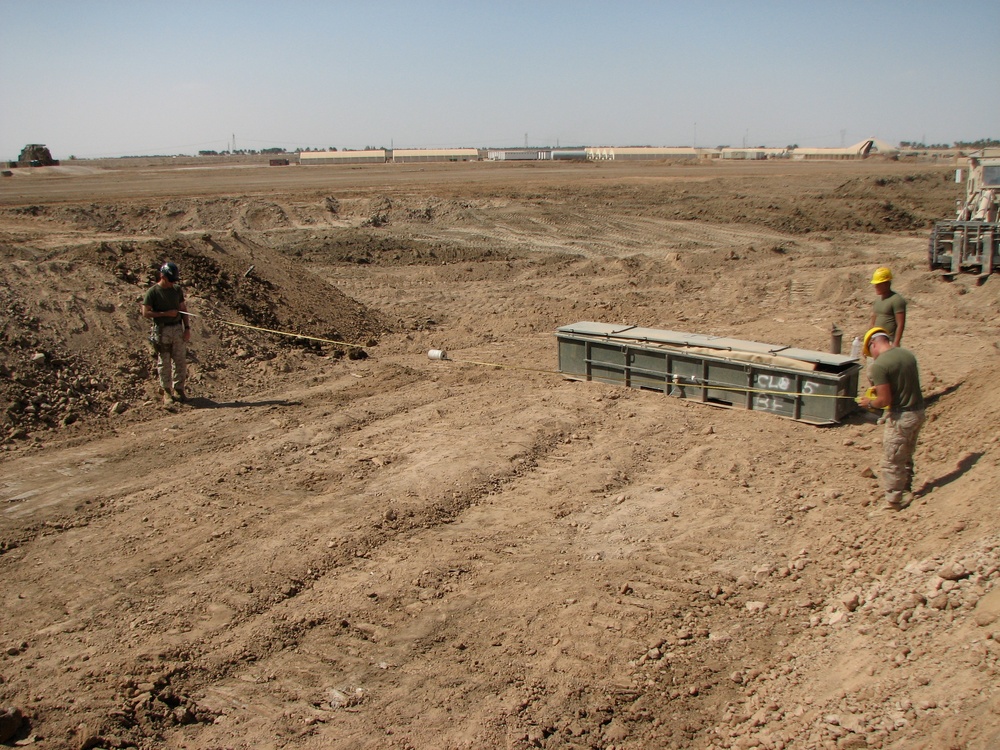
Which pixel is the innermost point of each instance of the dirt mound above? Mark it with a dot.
(74, 351)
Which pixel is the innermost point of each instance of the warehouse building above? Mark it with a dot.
(753, 154)
(860, 150)
(372, 156)
(569, 154)
(518, 154)
(635, 153)
(403, 155)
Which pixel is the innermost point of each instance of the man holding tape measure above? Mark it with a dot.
(896, 384)
(164, 305)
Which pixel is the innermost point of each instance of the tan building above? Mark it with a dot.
(860, 150)
(634, 153)
(372, 156)
(400, 155)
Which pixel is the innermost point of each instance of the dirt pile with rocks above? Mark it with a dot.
(328, 549)
(72, 334)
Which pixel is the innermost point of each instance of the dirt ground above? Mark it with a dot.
(351, 545)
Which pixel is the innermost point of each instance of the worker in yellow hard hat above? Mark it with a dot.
(889, 310)
(896, 382)
(866, 342)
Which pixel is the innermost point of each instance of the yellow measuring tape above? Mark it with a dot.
(279, 333)
(786, 394)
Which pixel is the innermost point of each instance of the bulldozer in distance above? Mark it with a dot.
(971, 242)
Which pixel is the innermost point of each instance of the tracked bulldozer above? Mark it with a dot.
(971, 242)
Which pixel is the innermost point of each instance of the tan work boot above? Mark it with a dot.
(168, 398)
(179, 395)
(904, 501)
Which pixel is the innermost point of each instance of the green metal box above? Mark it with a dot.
(801, 384)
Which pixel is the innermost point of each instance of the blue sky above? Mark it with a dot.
(95, 78)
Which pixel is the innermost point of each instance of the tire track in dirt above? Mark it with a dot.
(248, 623)
(605, 234)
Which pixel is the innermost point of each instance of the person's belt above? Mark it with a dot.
(174, 323)
(907, 408)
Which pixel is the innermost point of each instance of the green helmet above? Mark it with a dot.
(170, 272)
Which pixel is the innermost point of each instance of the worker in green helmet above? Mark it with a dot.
(164, 305)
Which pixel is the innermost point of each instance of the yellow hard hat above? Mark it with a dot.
(881, 275)
(865, 346)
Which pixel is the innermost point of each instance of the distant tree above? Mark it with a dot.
(792, 147)
(208, 153)
(981, 143)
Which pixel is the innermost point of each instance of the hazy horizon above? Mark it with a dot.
(109, 78)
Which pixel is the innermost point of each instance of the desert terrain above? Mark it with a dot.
(339, 542)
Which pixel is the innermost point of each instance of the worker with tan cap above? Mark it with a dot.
(889, 310)
(896, 381)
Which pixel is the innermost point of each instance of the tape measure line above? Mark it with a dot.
(287, 333)
(691, 383)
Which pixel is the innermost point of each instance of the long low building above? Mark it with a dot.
(518, 154)
(372, 156)
(634, 153)
(753, 154)
(860, 150)
(400, 155)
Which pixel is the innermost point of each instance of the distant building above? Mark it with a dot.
(518, 154)
(569, 154)
(636, 153)
(402, 155)
(860, 150)
(371, 156)
(753, 154)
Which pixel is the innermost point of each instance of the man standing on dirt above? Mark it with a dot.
(163, 304)
(896, 380)
(889, 310)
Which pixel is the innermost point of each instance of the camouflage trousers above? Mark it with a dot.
(171, 358)
(898, 443)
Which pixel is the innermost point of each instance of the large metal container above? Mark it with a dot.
(800, 384)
